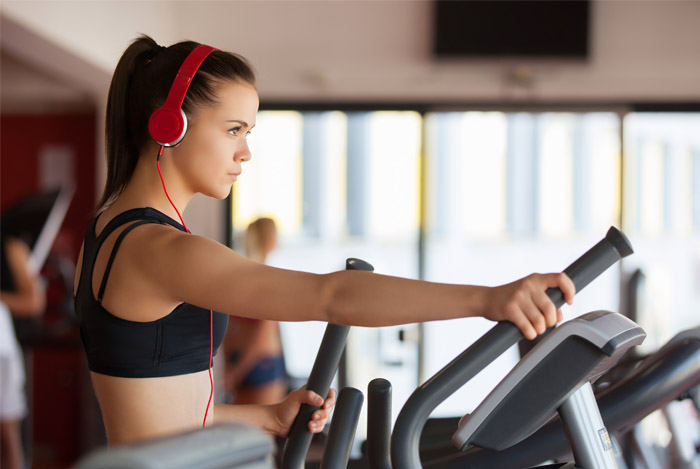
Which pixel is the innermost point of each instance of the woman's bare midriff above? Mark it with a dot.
(138, 409)
(244, 334)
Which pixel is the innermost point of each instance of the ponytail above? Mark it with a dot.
(140, 84)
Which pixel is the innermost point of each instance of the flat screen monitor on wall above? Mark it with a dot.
(504, 28)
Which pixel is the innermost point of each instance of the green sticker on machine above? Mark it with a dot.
(605, 439)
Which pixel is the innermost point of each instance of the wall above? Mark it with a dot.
(24, 138)
(317, 51)
(56, 370)
(380, 50)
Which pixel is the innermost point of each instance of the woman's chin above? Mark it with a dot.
(219, 194)
(225, 193)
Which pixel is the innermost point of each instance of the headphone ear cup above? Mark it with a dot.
(168, 126)
(168, 123)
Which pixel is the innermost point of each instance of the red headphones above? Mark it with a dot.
(168, 123)
(167, 126)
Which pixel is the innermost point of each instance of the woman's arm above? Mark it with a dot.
(29, 298)
(200, 271)
(277, 419)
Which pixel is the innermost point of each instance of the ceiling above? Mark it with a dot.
(26, 89)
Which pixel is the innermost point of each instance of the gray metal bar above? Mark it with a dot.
(379, 423)
(341, 435)
(214, 447)
(589, 439)
(405, 440)
(322, 373)
(660, 379)
(325, 366)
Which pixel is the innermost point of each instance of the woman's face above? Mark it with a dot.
(211, 155)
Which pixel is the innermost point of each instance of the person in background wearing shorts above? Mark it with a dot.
(255, 371)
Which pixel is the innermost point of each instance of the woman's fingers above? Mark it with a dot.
(320, 417)
(525, 326)
(548, 312)
(529, 307)
(536, 315)
(564, 283)
(330, 400)
(551, 313)
(569, 289)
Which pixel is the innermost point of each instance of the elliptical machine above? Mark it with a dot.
(578, 353)
(599, 337)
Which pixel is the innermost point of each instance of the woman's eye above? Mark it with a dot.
(247, 134)
(234, 131)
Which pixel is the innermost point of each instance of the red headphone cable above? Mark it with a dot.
(211, 313)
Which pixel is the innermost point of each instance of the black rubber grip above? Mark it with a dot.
(379, 423)
(594, 262)
(320, 379)
(341, 435)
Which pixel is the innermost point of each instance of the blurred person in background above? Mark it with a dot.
(255, 371)
(22, 295)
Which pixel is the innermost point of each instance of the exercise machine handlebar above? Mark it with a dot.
(405, 439)
(324, 368)
(379, 424)
(342, 432)
(594, 262)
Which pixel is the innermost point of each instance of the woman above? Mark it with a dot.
(255, 372)
(144, 286)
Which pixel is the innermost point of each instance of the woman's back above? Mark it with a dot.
(147, 356)
(138, 409)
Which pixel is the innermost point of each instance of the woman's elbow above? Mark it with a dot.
(32, 306)
(37, 305)
(329, 302)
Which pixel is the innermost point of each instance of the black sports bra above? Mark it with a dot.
(176, 344)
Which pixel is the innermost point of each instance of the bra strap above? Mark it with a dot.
(113, 254)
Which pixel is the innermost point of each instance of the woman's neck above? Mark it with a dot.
(145, 189)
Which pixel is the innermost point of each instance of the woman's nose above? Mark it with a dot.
(243, 154)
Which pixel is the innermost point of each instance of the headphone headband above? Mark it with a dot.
(168, 123)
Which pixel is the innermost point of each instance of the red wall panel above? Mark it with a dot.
(56, 364)
(22, 138)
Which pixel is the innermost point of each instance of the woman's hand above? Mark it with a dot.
(526, 304)
(286, 411)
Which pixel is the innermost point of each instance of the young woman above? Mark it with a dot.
(255, 372)
(145, 287)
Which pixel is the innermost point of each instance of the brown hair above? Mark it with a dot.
(140, 85)
(257, 238)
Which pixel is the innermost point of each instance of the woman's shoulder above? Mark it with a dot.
(114, 217)
(143, 235)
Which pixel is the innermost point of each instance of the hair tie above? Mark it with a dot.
(157, 49)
